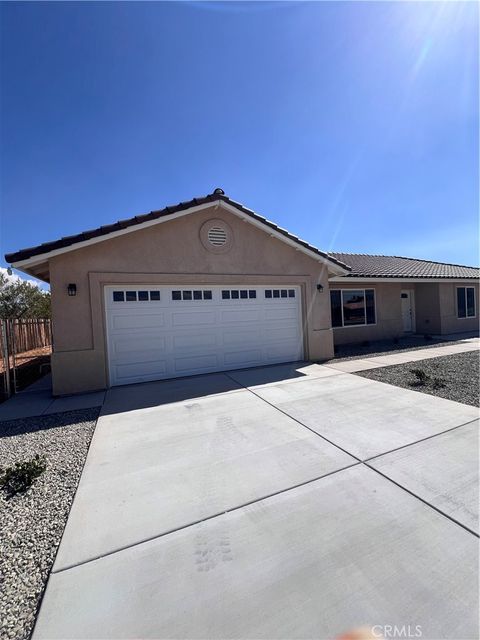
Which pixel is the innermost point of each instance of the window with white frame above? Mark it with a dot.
(465, 302)
(352, 307)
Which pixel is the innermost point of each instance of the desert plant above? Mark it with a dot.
(19, 478)
(420, 375)
(438, 383)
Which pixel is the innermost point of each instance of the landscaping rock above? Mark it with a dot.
(383, 347)
(32, 523)
(452, 377)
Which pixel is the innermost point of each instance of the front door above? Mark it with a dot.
(407, 310)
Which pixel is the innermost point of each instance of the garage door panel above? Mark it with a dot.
(189, 341)
(281, 312)
(243, 357)
(234, 316)
(280, 334)
(242, 337)
(139, 344)
(196, 363)
(172, 336)
(138, 321)
(140, 370)
(127, 356)
(193, 318)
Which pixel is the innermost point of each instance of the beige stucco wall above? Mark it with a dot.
(388, 314)
(168, 253)
(448, 309)
(435, 310)
(427, 308)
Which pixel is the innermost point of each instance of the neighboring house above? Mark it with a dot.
(209, 285)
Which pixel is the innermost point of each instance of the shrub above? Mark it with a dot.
(420, 375)
(438, 383)
(19, 478)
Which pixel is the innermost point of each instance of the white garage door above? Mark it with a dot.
(166, 332)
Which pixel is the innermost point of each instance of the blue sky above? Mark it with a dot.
(352, 124)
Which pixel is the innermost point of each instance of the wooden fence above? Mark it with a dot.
(21, 342)
(25, 335)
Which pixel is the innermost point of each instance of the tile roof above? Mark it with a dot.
(360, 265)
(369, 266)
(218, 194)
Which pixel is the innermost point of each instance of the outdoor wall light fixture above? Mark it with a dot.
(72, 289)
(320, 287)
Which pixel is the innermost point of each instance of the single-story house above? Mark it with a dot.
(209, 285)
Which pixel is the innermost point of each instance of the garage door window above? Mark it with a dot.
(238, 294)
(135, 296)
(279, 293)
(192, 295)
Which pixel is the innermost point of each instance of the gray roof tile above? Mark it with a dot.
(217, 195)
(370, 266)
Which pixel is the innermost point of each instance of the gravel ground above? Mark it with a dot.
(32, 523)
(458, 373)
(380, 347)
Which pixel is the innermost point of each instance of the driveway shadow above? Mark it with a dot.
(153, 394)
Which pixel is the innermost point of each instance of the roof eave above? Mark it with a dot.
(40, 271)
(335, 266)
(432, 279)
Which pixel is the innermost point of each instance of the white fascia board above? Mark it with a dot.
(292, 243)
(24, 265)
(30, 262)
(363, 281)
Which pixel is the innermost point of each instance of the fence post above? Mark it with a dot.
(13, 326)
(6, 358)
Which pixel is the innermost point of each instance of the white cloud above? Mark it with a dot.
(15, 277)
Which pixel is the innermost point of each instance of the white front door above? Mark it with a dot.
(156, 332)
(408, 310)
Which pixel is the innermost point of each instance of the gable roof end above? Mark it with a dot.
(41, 251)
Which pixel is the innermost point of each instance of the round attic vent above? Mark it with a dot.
(217, 236)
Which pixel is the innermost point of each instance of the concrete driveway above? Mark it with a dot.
(281, 502)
